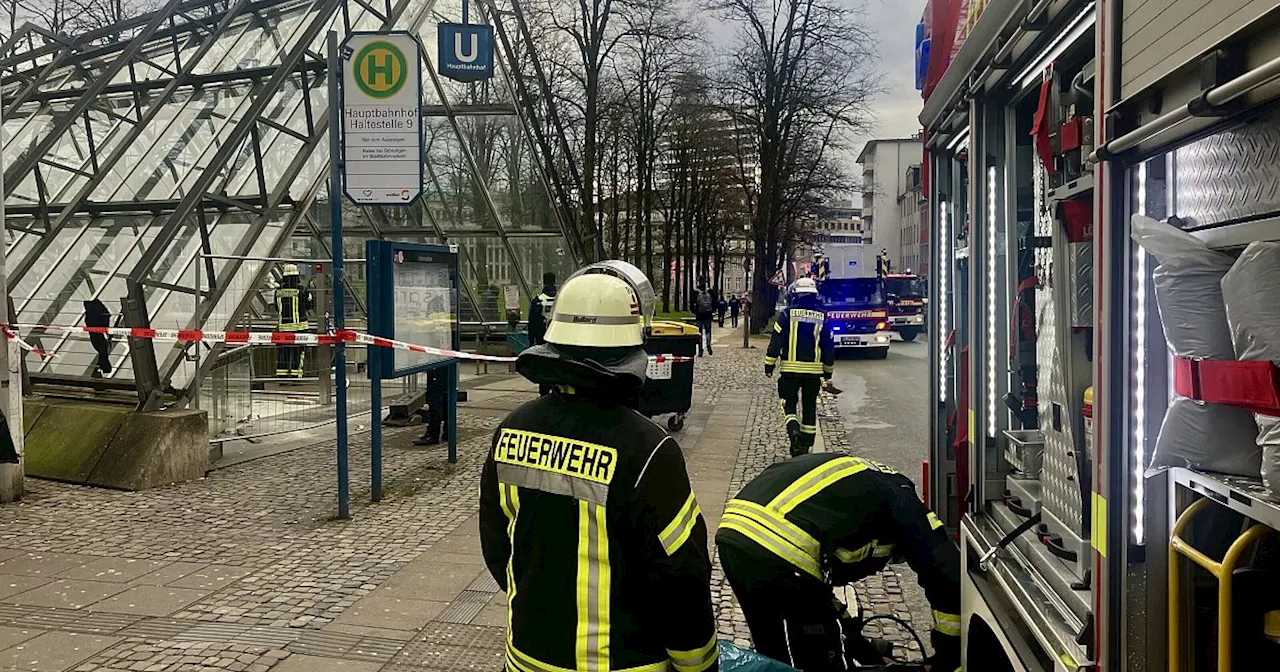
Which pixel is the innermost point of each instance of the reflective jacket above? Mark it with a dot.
(588, 521)
(539, 312)
(293, 302)
(840, 519)
(801, 342)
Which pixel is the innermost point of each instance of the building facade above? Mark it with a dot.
(912, 253)
(884, 178)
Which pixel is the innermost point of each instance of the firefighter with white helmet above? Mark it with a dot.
(575, 482)
(801, 347)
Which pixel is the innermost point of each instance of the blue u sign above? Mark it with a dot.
(466, 51)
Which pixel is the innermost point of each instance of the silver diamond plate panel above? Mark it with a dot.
(1080, 293)
(1060, 489)
(1230, 176)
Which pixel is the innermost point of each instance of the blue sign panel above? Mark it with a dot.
(466, 51)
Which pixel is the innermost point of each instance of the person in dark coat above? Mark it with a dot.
(97, 315)
(735, 307)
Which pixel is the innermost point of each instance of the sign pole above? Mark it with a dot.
(339, 297)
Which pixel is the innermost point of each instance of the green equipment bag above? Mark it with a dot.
(734, 658)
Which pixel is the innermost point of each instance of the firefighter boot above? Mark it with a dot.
(797, 440)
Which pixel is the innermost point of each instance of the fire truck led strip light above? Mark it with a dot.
(992, 226)
(1077, 28)
(1140, 371)
(944, 261)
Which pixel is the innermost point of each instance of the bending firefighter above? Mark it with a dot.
(587, 518)
(293, 302)
(802, 350)
(814, 522)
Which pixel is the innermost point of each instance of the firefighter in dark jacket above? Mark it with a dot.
(587, 518)
(293, 303)
(817, 521)
(802, 350)
(540, 309)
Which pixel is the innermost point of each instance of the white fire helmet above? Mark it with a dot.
(597, 311)
(290, 269)
(805, 286)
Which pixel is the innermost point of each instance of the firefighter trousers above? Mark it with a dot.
(793, 617)
(800, 389)
(289, 360)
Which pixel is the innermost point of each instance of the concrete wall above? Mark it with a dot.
(114, 446)
(1160, 36)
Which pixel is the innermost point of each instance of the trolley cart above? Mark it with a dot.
(669, 388)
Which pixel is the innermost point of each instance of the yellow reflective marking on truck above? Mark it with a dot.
(556, 454)
(1098, 530)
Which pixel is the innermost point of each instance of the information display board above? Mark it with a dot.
(382, 118)
(413, 297)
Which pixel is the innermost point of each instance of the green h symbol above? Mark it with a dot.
(385, 69)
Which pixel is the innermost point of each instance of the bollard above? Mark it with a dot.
(746, 329)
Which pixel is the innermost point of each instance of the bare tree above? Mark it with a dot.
(800, 77)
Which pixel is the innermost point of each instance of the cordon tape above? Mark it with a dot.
(262, 338)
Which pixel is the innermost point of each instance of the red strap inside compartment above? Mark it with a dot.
(1253, 385)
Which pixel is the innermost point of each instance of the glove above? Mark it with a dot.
(768, 371)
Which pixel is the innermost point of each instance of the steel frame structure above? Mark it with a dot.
(185, 139)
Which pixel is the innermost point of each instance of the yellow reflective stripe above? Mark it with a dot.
(696, 660)
(814, 482)
(828, 369)
(849, 557)
(593, 586)
(780, 526)
(947, 624)
(934, 521)
(509, 497)
(791, 343)
(808, 429)
(789, 366)
(880, 466)
(770, 361)
(522, 662)
(881, 550)
(678, 530)
(817, 351)
(771, 542)
(777, 326)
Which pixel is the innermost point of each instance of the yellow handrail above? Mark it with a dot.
(1223, 571)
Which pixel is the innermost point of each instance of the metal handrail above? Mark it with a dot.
(1215, 97)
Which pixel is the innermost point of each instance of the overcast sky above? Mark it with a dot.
(897, 110)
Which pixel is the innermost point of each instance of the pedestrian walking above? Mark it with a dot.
(817, 521)
(802, 349)
(722, 307)
(704, 308)
(587, 517)
(735, 306)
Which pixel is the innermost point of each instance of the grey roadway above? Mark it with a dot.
(884, 410)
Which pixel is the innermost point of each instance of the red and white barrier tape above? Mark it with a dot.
(264, 338)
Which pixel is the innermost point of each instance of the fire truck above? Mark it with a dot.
(852, 291)
(905, 298)
(1103, 181)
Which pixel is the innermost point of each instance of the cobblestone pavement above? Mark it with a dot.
(248, 570)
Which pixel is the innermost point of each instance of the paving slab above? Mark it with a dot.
(150, 600)
(13, 584)
(370, 631)
(53, 652)
(67, 594)
(10, 636)
(384, 610)
(213, 577)
(170, 573)
(301, 663)
(435, 581)
(6, 553)
(43, 564)
(117, 570)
